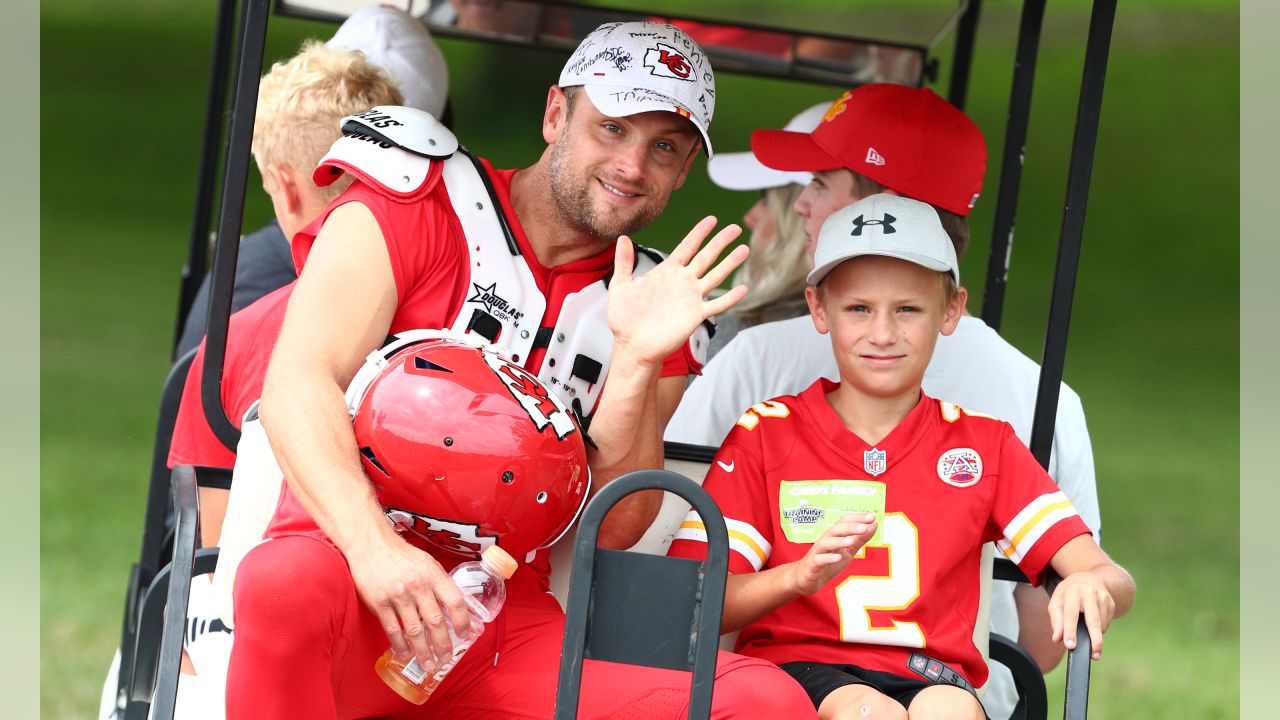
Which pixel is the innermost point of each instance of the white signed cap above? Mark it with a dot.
(633, 67)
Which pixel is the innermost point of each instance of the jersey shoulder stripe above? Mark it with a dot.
(1032, 522)
(744, 539)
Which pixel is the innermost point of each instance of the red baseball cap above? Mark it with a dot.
(907, 139)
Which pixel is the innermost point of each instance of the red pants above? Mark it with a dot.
(305, 648)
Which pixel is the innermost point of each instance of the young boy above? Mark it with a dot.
(857, 511)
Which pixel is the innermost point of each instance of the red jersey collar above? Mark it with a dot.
(896, 445)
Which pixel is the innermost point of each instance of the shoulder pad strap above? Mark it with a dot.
(643, 252)
(407, 128)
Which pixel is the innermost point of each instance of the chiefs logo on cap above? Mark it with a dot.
(665, 61)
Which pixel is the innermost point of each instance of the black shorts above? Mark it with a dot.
(820, 679)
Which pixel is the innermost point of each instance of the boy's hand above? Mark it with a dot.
(831, 553)
(1081, 592)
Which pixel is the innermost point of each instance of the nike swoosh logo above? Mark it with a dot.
(727, 468)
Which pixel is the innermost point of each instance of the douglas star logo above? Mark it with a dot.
(494, 303)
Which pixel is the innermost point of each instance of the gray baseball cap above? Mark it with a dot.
(888, 225)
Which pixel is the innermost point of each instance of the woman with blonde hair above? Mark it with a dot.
(776, 269)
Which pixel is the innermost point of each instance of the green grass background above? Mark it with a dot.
(1155, 336)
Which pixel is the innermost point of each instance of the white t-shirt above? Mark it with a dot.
(973, 367)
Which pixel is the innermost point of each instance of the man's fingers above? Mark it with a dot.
(721, 271)
(437, 629)
(624, 259)
(718, 305)
(391, 626)
(827, 558)
(688, 247)
(706, 257)
(454, 605)
(414, 627)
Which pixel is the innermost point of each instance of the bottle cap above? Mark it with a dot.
(499, 561)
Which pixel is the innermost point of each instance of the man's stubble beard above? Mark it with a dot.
(573, 200)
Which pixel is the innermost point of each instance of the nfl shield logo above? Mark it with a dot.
(873, 461)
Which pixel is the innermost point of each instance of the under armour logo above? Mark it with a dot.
(885, 223)
(873, 157)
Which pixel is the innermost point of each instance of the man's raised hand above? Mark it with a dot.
(651, 316)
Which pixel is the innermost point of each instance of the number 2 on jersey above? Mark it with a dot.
(857, 595)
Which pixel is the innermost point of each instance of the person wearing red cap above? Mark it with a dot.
(906, 141)
(884, 138)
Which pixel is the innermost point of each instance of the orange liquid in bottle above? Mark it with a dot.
(392, 672)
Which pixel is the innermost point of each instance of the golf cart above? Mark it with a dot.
(151, 639)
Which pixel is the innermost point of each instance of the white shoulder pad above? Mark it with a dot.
(388, 147)
(377, 163)
(405, 127)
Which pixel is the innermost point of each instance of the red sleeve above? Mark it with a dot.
(425, 247)
(193, 440)
(681, 363)
(1031, 518)
(251, 335)
(738, 484)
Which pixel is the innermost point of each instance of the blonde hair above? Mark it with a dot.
(776, 268)
(301, 103)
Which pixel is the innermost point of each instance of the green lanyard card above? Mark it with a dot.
(809, 508)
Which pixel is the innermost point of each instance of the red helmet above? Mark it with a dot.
(465, 449)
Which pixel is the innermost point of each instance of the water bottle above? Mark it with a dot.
(483, 587)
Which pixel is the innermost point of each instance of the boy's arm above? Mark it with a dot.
(751, 596)
(1093, 585)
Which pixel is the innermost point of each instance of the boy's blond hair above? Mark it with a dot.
(301, 102)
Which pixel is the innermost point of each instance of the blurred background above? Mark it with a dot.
(1154, 347)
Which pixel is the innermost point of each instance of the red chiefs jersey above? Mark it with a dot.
(950, 481)
(251, 334)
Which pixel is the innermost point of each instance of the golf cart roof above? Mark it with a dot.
(886, 49)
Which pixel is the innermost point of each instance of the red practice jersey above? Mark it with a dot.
(949, 480)
(251, 334)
